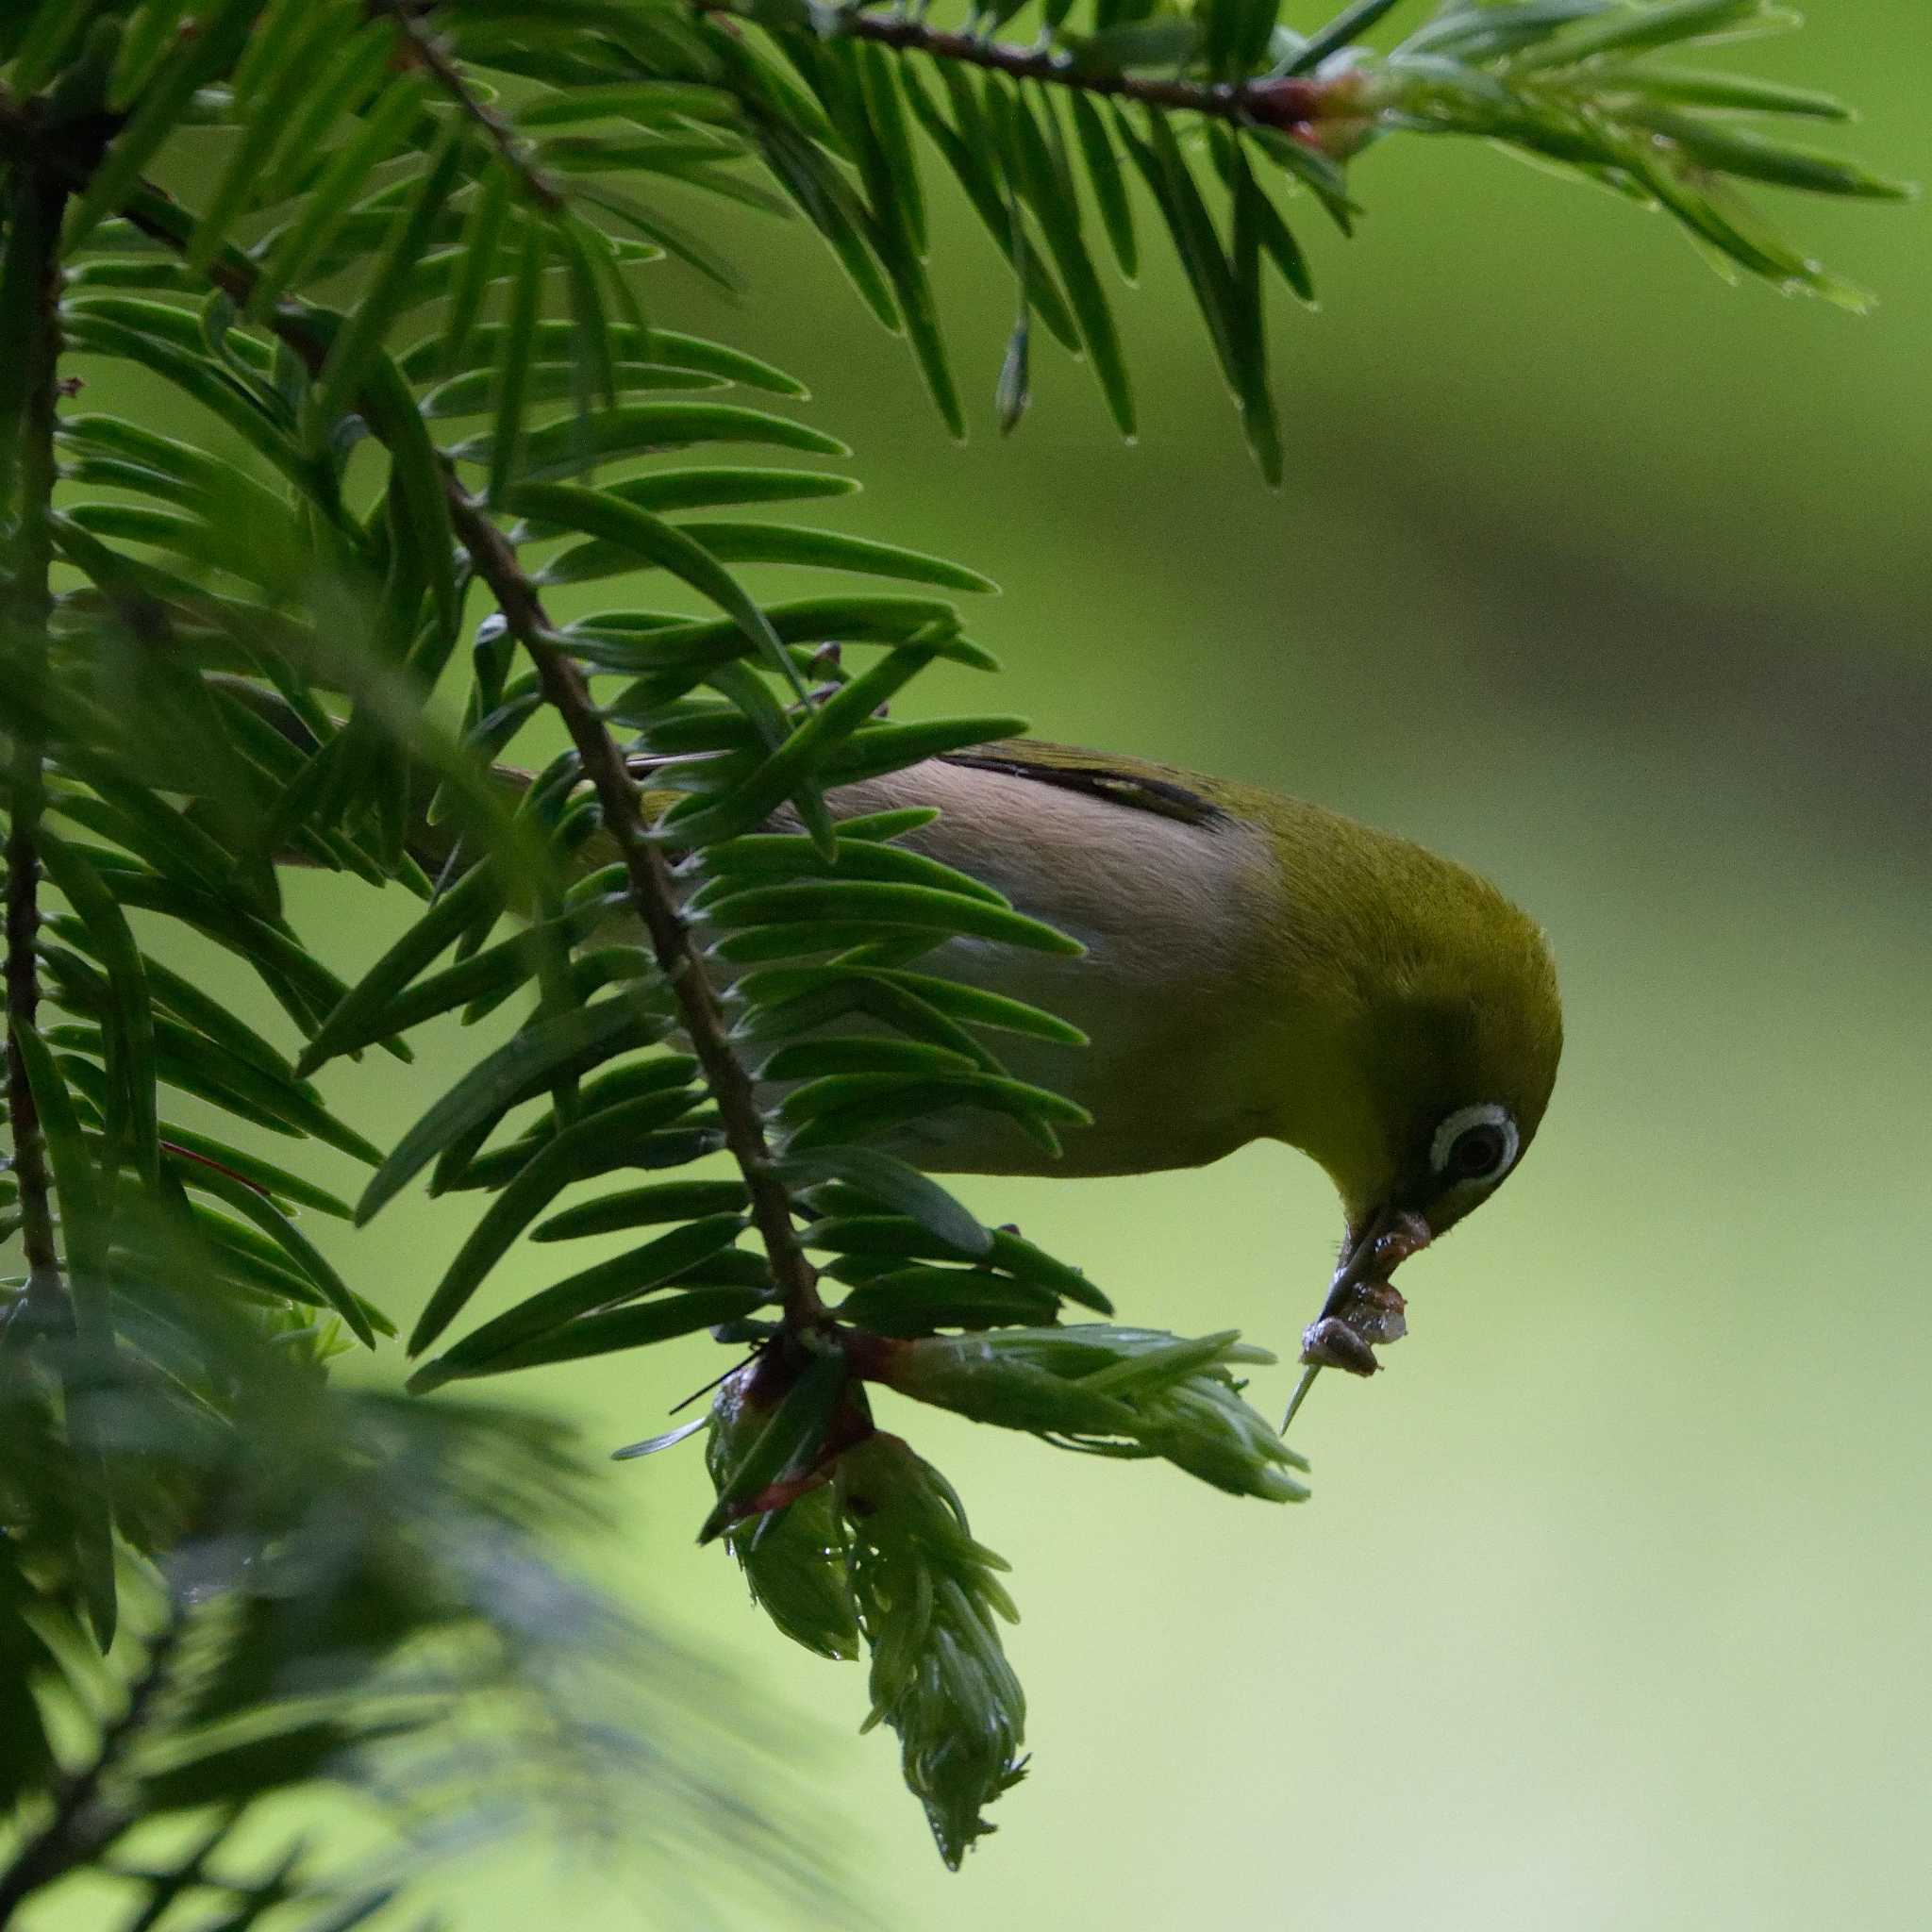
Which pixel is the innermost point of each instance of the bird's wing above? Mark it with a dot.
(1139, 786)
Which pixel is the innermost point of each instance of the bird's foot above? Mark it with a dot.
(1331, 1343)
(1372, 1314)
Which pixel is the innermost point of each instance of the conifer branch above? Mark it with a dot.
(40, 200)
(82, 1823)
(653, 896)
(1288, 105)
(652, 890)
(427, 50)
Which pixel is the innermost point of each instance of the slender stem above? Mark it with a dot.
(40, 200)
(434, 56)
(653, 895)
(1284, 103)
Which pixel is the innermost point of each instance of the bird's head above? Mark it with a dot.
(1441, 1064)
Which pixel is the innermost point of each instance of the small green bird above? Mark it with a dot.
(1256, 968)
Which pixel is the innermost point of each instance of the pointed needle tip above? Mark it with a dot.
(1300, 1396)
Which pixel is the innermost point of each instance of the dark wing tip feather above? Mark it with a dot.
(1097, 776)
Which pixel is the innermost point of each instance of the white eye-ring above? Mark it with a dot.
(1475, 1144)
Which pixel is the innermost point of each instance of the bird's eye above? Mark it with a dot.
(1474, 1145)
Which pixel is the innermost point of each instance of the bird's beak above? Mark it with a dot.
(1362, 1309)
(1389, 1239)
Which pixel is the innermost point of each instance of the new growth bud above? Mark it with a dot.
(793, 1557)
(929, 1599)
(1123, 1392)
(855, 1534)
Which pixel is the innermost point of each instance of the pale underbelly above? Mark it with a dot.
(1156, 1076)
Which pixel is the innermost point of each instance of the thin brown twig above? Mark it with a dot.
(1281, 103)
(428, 49)
(653, 893)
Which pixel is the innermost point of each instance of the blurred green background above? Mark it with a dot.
(1609, 1606)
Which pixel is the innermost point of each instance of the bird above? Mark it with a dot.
(1255, 967)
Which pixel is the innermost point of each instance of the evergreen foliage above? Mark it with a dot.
(402, 255)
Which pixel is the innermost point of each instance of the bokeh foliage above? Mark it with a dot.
(410, 302)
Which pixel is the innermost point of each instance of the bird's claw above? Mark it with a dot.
(1372, 1313)
(1331, 1343)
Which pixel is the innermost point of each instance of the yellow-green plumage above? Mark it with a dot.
(1256, 967)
